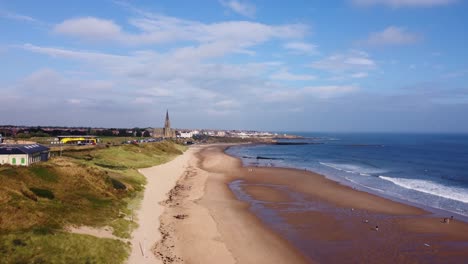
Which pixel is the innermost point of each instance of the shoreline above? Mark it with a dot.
(203, 221)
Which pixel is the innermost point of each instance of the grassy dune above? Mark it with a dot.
(98, 187)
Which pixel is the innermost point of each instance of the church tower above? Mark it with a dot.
(167, 131)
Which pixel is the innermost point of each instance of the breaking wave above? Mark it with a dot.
(430, 187)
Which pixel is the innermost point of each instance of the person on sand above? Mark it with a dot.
(445, 220)
(377, 228)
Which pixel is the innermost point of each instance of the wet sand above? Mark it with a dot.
(293, 216)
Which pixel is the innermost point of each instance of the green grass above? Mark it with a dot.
(47, 174)
(61, 247)
(93, 187)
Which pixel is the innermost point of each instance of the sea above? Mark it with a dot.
(426, 170)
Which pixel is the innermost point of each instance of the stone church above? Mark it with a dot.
(166, 131)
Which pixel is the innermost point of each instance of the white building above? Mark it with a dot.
(23, 155)
(186, 134)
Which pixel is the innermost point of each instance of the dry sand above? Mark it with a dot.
(160, 180)
(103, 232)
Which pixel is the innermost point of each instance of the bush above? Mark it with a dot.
(43, 193)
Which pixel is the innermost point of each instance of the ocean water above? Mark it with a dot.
(429, 170)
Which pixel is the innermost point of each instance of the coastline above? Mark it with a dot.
(203, 221)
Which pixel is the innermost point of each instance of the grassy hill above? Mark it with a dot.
(93, 187)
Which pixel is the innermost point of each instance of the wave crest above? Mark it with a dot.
(430, 187)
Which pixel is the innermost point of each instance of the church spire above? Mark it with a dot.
(167, 131)
(167, 123)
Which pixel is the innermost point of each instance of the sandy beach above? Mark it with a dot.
(160, 180)
(193, 216)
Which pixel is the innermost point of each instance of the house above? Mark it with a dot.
(185, 135)
(23, 155)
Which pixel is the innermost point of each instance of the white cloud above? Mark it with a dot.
(114, 64)
(301, 47)
(354, 61)
(191, 73)
(48, 80)
(142, 100)
(74, 101)
(456, 74)
(285, 75)
(320, 92)
(392, 36)
(227, 104)
(89, 28)
(359, 75)
(241, 7)
(71, 54)
(330, 90)
(404, 3)
(158, 29)
(18, 17)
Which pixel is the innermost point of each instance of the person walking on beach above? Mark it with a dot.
(377, 228)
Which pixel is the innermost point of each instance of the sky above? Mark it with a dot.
(296, 65)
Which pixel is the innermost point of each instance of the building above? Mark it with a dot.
(23, 155)
(167, 131)
(220, 134)
(185, 134)
(167, 126)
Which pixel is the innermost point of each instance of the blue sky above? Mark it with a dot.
(351, 65)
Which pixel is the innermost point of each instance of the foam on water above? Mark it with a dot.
(431, 187)
(351, 168)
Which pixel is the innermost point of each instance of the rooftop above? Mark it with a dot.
(21, 149)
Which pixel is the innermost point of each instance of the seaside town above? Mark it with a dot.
(24, 145)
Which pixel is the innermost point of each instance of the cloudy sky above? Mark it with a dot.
(350, 65)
